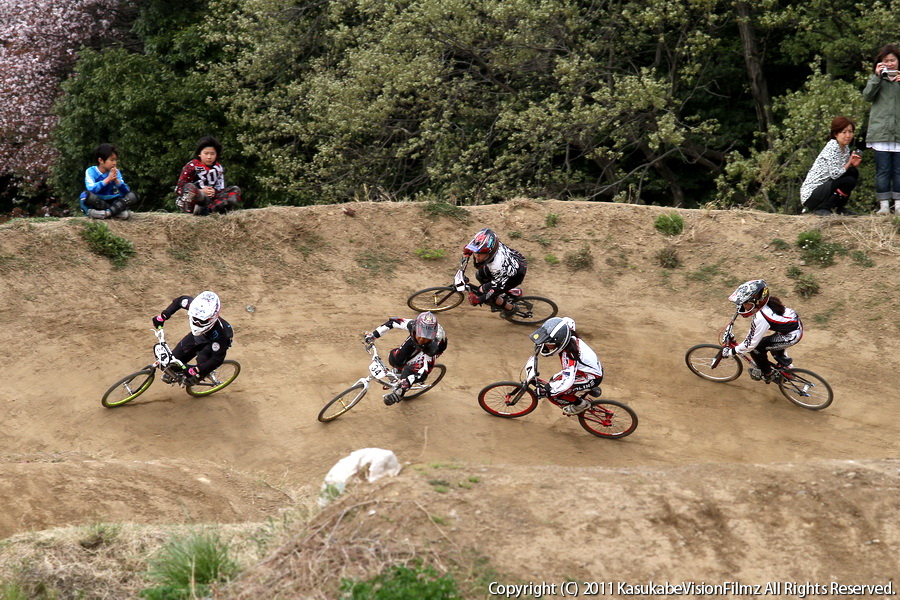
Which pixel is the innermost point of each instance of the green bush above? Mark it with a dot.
(814, 248)
(670, 224)
(400, 582)
(445, 209)
(431, 254)
(668, 258)
(107, 244)
(581, 260)
(187, 566)
(806, 286)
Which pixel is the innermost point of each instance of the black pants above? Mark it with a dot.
(825, 197)
(113, 205)
(189, 347)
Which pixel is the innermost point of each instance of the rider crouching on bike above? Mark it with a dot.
(415, 358)
(769, 314)
(210, 336)
(499, 269)
(581, 369)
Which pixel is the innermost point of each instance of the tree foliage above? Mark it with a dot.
(675, 102)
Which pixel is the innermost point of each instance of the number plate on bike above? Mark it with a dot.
(378, 371)
(163, 355)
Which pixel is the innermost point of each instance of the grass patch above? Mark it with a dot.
(445, 209)
(581, 260)
(668, 258)
(551, 259)
(815, 250)
(104, 242)
(431, 253)
(401, 582)
(794, 272)
(780, 244)
(552, 220)
(861, 258)
(515, 235)
(706, 273)
(376, 263)
(187, 566)
(670, 224)
(806, 285)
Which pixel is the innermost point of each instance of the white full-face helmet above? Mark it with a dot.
(203, 312)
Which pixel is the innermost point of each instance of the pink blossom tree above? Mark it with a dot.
(39, 42)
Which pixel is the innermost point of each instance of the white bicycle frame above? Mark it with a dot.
(164, 357)
(378, 371)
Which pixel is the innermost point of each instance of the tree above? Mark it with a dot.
(39, 42)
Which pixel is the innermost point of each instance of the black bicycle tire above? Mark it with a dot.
(149, 370)
(513, 384)
(455, 298)
(511, 316)
(324, 411)
(692, 349)
(584, 417)
(190, 389)
(808, 374)
(429, 384)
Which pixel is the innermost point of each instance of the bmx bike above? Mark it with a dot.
(389, 380)
(801, 386)
(527, 310)
(173, 372)
(510, 399)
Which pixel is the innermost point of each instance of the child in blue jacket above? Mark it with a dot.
(106, 194)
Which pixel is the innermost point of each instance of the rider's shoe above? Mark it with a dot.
(785, 361)
(769, 377)
(755, 374)
(392, 398)
(576, 408)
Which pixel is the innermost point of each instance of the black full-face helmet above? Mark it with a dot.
(750, 297)
(554, 335)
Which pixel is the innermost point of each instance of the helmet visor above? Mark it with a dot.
(201, 323)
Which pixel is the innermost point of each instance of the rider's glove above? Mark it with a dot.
(467, 252)
(193, 376)
(542, 390)
(727, 351)
(369, 338)
(474, 299)
(158, 321)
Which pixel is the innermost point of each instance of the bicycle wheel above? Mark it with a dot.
(342, 403)
(531, 310)
(435, 299)
(609, 419)
(215, 381)
(701, 358)
(417, 389)
(496, 399)
(128, 388)
(805, 389)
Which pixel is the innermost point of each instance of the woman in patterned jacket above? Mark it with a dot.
(833, 176)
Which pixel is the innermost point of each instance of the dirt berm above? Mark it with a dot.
(720, 482)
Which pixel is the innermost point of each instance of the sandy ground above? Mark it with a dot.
(301, 285)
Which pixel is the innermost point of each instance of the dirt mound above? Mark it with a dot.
(300, 285)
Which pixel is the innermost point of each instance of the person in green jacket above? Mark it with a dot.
(883, 136)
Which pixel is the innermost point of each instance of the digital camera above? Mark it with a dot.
(888, 73)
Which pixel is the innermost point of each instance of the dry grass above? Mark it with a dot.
(873, 234)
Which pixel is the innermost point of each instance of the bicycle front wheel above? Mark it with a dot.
(609, 419)
(701, 360)
(216, 380)
(531, 310)
(805, 389)
(417, 389)
(507, 399)
(128, 388)
(435, 299)
(342, 403)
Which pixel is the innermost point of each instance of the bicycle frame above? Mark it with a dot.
(532, 379)
(378, 371)
(172, 368)
(728, 340)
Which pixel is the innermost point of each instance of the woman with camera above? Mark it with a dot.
(833, 176)
(883, 134)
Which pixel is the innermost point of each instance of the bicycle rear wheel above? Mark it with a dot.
(609, 419)
(805, 389)
(342, 403)
(435, 299)
(216, 380)
(128, 388)
(704, 360)
(531, 310)
(417, 389)
(506, 399)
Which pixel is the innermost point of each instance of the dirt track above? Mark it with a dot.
(316, 279)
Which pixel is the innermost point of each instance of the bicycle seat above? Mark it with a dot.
(514, 292)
